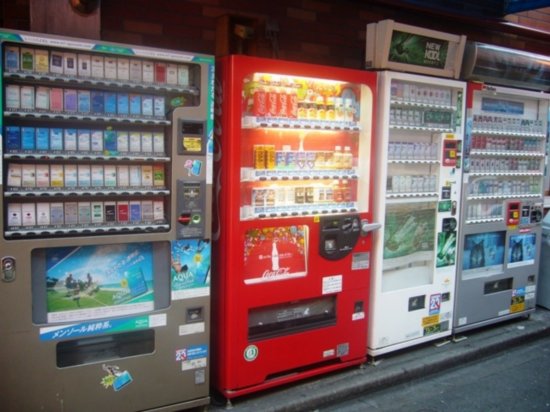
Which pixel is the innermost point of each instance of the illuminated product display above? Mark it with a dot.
(106, 175)
(293, 204)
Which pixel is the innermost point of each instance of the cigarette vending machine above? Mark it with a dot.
(419, 157)
(292, 247)
(106, 155)
(505, 147)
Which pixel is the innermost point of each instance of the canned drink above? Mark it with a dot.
(272, 103)
(259, 104)
(292, 100)
(282, 104)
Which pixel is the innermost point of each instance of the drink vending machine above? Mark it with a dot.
(292, 244)
(505, 147)
(106, 155)
(419, 156)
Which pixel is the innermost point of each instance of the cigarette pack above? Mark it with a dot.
(122, 141)
(57, 216)
(56, 138)
(42, 138)
(43, 214)
(84, 176)
(41, 61)
(98, 67)
(84, 65)
(84, 140)
(14, 214)
(56, 62)
(69, 139)
(42, 175)
(70, 64)
(28, 175)
(71, 175)
(97, 212)
(56, 175)
(28, 214)
(15, 175)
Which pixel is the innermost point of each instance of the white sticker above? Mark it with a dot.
(328, 353)
(332, 284)
(191, 328)
(157, 320)
(193, 364)
(360, 261)
(504, 312)
(462, 321)
(358, 316)
(530, 288)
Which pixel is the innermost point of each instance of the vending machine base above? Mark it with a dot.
(292, 376)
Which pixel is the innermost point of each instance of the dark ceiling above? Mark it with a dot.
(480, 8)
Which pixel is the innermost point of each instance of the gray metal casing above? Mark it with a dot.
(30, 378)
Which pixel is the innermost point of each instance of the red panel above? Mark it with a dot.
(290, 356)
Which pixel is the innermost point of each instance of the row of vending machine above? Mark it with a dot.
(173, 223)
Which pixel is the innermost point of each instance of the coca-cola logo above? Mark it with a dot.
(276, 273)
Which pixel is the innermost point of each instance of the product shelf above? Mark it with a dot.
(421, 128)
(95, 192)
(505, 196)
(420, 105)
(412, 195)
(507, 153)
(510, 173)
(46, 115)
(87, 156)
(413, 161)
(262, 212)
(48, 231)
(485, 220)
(508, 133)
(255, 175)
(102, 83)
(253, 122)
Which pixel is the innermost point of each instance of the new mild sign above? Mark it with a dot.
(401, 47)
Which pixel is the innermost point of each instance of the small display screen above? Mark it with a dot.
(192, 128)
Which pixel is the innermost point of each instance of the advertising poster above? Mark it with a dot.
(522, 249)
(418, 50)
(190, 268)
(446, 249)
(409, 233)
(92, 282)
(483, 251)
(275, 253)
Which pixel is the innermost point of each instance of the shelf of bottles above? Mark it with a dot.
(284, 178)
(506, 161)
(85, 147)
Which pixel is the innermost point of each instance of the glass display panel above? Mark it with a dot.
(483, 252)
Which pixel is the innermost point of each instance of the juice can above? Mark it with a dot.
(270, 156)
(259, 157)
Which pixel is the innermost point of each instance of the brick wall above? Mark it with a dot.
(319, 31)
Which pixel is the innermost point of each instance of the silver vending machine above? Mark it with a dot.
(106, 175)
(502, 196)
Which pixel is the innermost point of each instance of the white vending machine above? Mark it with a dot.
(420, 127)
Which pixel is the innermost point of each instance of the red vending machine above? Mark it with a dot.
(293, 206)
